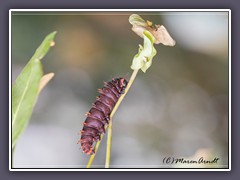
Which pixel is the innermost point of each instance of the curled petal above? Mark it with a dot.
(160, 33)
(143, 59)
(162, 36)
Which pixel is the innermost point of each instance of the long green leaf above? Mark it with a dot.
(25, 90)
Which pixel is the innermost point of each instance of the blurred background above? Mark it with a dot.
(179, 108)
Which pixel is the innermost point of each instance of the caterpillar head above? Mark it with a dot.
(122, 83)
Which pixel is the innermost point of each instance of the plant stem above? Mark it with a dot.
(109, 140)
(133, 76)
(109, 145)
(92, 156)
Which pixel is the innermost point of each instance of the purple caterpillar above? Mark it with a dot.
(99, 115)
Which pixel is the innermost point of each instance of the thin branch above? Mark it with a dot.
(109, 145)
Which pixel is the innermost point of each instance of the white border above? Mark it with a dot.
(229, 88)
(118, 10)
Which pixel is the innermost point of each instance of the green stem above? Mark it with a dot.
(133, 76)
(93, 156)
(109, 145)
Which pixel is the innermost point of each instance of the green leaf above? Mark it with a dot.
(25, 90)
(143, 60)
(136, 20)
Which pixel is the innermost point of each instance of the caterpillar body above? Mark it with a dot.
(99, 115)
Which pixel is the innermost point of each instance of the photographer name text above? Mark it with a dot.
(201, 160)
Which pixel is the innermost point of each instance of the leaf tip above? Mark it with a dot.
(52, 43)
(51, 36)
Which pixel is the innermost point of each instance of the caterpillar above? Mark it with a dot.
(99, 115)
